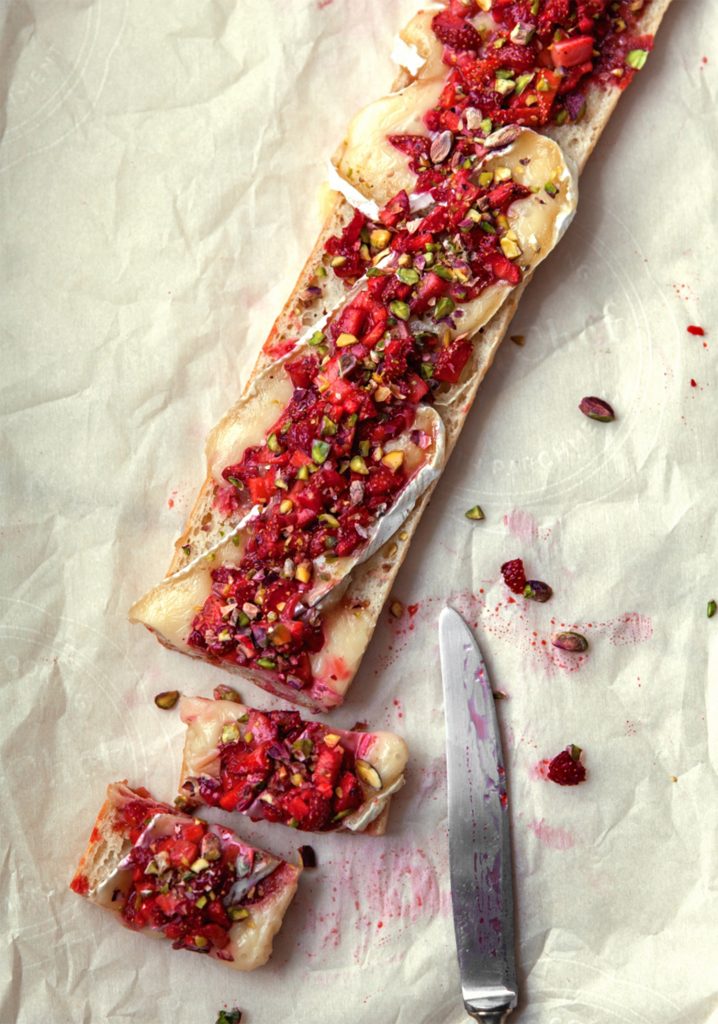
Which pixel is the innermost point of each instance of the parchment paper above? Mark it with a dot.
(159, 173)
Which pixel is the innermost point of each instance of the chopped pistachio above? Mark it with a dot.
(329, 520)
(397, 609)
(394, 460)
(303, 473)
(317, 338)
(201, 902)
(266, 663)
(329, 427)
(475, 513)
(382, 394)
(304, 572)
(368, 773)
(502, 174)
(199, 941)
(238, 913)
(407, 275)
(510, 248)
(636, 58)
(522, 82)
(273, 444)
(445, 273)
(358, 465)
(400, 309)
(380, 238)
(711, 609)
(550, 188)
(488, 227)
(486, 126)
(199, 865)
(230, 733)
(338, 261)
(331, 739)
(320, 451)
(344, 340)
(286, 506)
(485, 178)
(167, 699)
(444, 307)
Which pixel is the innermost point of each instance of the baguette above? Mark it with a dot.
(274, 766)
(135, 835)
(375, 174)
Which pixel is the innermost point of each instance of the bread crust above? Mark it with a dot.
(372, 581)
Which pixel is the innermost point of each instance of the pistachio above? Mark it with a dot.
(535, 590)
(637, 58)
(286, 506)
(400, 309)
(331, 739)
(711, 609)
(597, 409)
(397, 609)
(267, 663)
(382, 393)
(441, 147)
(210, 847)
(510, 249)
(199, 865)
(200, 942)
(167, 699)
(320, 451)
(444, 307)
(230, 733)
(574, 642)
(238, 913)
(358, 465)
(475, 513)
(394, 460)
(368, 773)
(304, 572)
(344, 340)
(224, 692)
(379, 238)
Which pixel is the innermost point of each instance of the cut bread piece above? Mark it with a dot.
(305, 507)
(274, 766)
(168, 874)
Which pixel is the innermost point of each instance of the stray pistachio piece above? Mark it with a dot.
(167, 699)
(397, 609)
(475, 513)
(368, 773)
(536, 590)
(597, 409)
(573, 642)
(711, 609)
(224, 692)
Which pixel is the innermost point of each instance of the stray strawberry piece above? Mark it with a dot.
(567, 53)
(566, 768)
(514, 575)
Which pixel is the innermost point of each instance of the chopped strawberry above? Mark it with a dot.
(455, 32)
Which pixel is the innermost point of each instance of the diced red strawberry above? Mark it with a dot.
(452, 30)
(308, 807)
(350, 793)
(327, 769)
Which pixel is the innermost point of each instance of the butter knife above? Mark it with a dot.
(479, 839)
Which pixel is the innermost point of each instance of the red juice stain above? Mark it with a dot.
(694, 383)
(380, 924)
(412, 608)
(698, 332)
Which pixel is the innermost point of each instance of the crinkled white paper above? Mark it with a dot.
(160, 165)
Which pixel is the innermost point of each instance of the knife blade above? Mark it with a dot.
(479, 837)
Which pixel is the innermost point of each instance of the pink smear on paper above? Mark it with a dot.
(630, 628)
(554, 838)
(540, 769)
(522, 525)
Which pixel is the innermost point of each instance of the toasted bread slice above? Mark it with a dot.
(275, 766)
(318, 291)
(133, 830)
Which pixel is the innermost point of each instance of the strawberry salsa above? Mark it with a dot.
(276, 767)
(330, 467)
(190, 880)
(528, 62)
